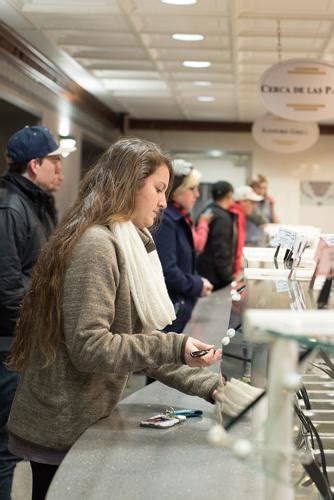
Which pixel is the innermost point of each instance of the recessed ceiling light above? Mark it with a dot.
(184, 37)
(205, 98)
(179, 2)
(215, 153)
(196, 64)
(202, 83)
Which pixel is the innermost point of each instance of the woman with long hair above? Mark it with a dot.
(93, 312)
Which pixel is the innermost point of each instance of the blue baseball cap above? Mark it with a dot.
(32, 142)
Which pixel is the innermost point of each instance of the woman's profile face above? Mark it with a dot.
(261, 189)
(151, 198)
(187, 199)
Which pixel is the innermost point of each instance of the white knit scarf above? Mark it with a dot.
(147, 284)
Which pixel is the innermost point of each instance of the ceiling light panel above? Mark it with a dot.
(187, 37)
(165, 40)
(196, 64)
(134, 85)
(179, 2)
(202, 6)
(206, 98)
(215, 68)
(192, 92)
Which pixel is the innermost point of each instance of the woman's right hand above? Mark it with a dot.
(207, 287)
(212, 357)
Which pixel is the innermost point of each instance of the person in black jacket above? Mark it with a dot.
(217, 259)
(26, 221)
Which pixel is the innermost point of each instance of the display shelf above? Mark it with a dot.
(285, 331)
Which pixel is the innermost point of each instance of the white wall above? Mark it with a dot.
(284, 172)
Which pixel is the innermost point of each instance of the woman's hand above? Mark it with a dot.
(207, 287)
(206, 216)
(208, 359)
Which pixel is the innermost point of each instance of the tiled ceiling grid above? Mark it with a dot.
(126, 47)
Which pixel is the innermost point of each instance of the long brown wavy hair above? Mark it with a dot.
(106, 194)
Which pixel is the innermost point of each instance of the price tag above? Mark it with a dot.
(285, 238)
(299, 246)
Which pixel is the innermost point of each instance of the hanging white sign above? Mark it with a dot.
(299, 89)
(284, 136)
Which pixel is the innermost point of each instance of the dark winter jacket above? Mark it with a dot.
(26, 221)
(217, 259)
(175, 247)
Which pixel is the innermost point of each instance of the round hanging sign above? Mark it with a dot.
(299, 89)
(284, 136)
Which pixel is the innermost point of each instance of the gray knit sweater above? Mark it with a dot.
(102, 343)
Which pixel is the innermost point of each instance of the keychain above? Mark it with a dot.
(170, 417)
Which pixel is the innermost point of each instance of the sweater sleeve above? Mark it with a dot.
(193, 381)
(90, 308)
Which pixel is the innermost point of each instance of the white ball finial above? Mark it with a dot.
(242, 448)
(230, 333)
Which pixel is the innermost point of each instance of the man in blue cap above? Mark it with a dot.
(27, 218)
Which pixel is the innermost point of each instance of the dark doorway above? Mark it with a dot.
(12, 119)
(89, 154)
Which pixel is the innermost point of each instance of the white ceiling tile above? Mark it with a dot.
(140, 93)
(104, 64)
(296, 8)
(221, 76)
(288, 27)
(163, 24)
(91, 38)
(270, 43)
(114, 73)
(189, 55)
(106, 52)
(79, 22)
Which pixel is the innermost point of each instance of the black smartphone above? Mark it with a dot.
(199, 354)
